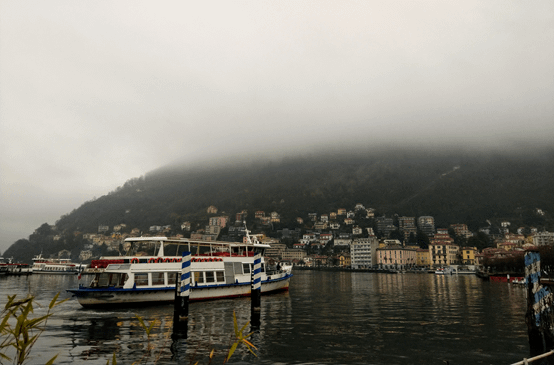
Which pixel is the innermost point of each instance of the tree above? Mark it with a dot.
(480, 240)
(422, 240)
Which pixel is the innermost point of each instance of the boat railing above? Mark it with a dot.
(538, 357)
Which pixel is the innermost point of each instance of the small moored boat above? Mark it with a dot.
(443, 271)
(43, 265)
(218, 270)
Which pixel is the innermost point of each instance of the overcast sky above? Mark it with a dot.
(93, 93)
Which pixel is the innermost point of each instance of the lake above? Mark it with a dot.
(325, 318)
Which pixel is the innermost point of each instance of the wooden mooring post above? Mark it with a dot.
(182, 293)
(539, 316)
(256, 292)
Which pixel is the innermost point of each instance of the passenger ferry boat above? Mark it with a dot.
(8, 267)
(42, 265)
(218, 270)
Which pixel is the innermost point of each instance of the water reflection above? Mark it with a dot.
(325, 318)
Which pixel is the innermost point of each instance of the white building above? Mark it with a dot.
(543, 239)
(362, 253)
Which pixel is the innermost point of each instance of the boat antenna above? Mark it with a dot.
(248, 237)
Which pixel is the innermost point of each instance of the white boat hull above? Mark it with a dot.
(149, 296)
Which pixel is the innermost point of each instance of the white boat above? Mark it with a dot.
(444, 271)
(3, 267)
(42, 265)
(8, 267)
(218, 270)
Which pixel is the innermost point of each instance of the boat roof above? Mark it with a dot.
(187, 241)
(134, 239)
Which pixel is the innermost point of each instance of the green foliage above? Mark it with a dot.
(147, 328)
(240, 338)
(19, 331)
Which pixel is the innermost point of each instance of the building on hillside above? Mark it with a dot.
(241, 216)
(357, 231)
(211, 209)
(426, 224)
(308, 238)
(370, 213)
(461, 230)
(324, 218)
(103, 229)
(396, 257)
(407, 226)
(219, 221)
(334, 225)
(275, 217)
(291, 255)
(290, 233)
(213, 230)
(444, 254)
(468, 255)
(423, 257)
(119, 227)
(543, 239)
(333, 215)
(85, 255)
(299, 220)
(341, 211)
(359, 206)
(506, 246)
(385, 225)
(259, 214)
(324, 238)
(321, 226)
(387, 242)
(441, 236)
(362, 253)
(312, 217)
(342, 242)
(236, 231)
(518, 239)
(276, 250)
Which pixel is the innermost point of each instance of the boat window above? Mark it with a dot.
(210, 278)
(103, 280)
(246, 268)
(171, 276)
(117, 280)
(141, 279)
(219, 276)
(198, 276)
(158, 278)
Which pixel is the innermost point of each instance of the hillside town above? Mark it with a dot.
(353, 239)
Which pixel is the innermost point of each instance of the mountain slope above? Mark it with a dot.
(457, 187)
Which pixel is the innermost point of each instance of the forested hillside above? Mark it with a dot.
(453, 187)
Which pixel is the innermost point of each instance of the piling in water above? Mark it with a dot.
(256, 291)
(182, 294)
(539, 316)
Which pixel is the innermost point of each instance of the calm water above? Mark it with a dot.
(331, 318)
